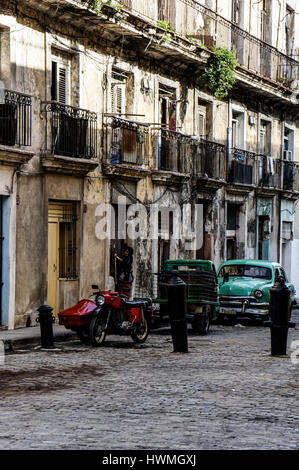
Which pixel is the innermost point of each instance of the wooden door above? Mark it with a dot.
(53, 266)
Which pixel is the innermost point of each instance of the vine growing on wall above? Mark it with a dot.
(167, 28)
(220, 73)
(97, 5)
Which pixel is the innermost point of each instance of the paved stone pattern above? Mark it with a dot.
(226, 393)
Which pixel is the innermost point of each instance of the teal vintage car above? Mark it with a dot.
(244, 288)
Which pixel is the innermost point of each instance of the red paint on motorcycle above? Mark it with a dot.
(134, 315)
(112, 299)
(78, 315)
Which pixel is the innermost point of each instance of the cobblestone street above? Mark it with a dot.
(227, 393)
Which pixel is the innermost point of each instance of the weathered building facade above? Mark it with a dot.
(106, 100)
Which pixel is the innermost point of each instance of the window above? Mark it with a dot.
(232, 216)
(67, 249)
(5, 74)
(64, 217)
(60, 89)
(118, 92)
(288, 144)
(168, 108)
(166, 11)
(238, 130)
(165, 223)
(236, 11)
(237, 270)
(202, 111)
(265, 138)
(263, 21)
(289, 31)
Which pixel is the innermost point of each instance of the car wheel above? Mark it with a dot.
(201, 322)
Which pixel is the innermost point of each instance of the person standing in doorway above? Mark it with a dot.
(125, 276)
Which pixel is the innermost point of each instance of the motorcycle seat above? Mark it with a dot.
(136, 303)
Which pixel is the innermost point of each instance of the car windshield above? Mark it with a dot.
(246, 271)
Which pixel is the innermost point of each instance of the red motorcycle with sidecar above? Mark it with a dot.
(109, 313)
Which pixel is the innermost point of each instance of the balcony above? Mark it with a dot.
(73, 131)
(71, 142)
(174, 150)
(268, 172)
(210, 161)
(277, 174)
(289, 175)
(15, 119)
(126, 142)
(213, 30)
(15, 128)
(253, 54)
(242, 167)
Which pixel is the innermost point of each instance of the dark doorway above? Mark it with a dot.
(263, 237)
(231, 248)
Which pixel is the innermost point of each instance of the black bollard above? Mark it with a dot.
(279, 317)
(46, 320)
(176, 294)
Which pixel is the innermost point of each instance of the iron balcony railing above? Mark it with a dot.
(211, 160)
(254, 54)
(174, 150)
(268, 171)
(289, 175)
(126, 141)
(73, 130)
(212, 30)
(242, 167)
(277, 173)
(15, 118)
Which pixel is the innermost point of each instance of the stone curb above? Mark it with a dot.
(13, 344)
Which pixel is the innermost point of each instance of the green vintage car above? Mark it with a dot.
(200, 278)
(244, 288)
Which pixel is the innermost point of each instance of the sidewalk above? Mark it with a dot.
(28, 337)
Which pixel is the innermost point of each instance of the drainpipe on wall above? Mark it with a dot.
(229, 134)
(279, 245)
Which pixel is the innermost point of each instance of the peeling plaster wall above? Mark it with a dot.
(30, 274)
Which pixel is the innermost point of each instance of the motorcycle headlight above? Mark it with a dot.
(258, 294)
(100, 300)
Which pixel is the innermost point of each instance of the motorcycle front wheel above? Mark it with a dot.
(140, 333)
(97, 330)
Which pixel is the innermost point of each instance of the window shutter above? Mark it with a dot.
(62, 84)
(118, 99)
(60, 89)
